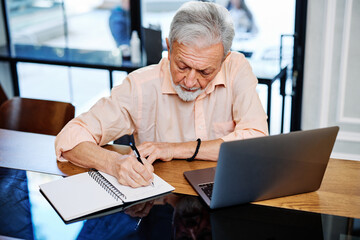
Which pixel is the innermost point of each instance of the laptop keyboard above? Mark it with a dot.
(207, 188)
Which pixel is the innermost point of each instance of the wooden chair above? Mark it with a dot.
(36, 116)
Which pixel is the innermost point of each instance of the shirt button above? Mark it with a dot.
(201, 127)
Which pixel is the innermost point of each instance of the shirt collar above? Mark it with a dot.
(167, 87)
(218, 80)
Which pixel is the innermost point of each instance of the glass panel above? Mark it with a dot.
(118, 77)
(51, 84)
(78, 33)
(75, 24)
(259, 25)
(88, 86)
(159, 13)
(91, 31)
(120, 22)
(88, 24)
(80, 86)
(35, 21)
(3, 40)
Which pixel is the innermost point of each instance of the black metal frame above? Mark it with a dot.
(135, 12)
(268, 83)
(282, 76)
(298, 64)
(13, 69)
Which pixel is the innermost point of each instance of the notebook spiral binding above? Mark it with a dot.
(105, 184)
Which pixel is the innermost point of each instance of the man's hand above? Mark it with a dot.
(130, 172)
(125, 168)
(155, 150)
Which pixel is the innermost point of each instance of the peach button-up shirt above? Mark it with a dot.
(146, 105)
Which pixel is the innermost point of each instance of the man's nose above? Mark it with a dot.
(191, 79)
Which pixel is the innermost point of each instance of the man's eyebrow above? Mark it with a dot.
(208, 69)
(179, 60)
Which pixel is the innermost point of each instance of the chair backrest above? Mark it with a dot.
(36, 116)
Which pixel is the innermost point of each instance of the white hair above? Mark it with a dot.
(202, 24)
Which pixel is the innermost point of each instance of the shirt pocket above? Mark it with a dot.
(222, 129)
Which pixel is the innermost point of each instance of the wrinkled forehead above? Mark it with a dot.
(198, 41)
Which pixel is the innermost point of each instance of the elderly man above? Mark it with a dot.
(182, 108)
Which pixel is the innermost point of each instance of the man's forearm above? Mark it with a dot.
(165, 151)
(90, 155)
(208, 150)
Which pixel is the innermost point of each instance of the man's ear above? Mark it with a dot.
(168, 47)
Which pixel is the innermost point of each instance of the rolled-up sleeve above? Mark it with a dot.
(248, 113)
(110, 118)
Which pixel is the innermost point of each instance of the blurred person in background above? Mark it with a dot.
(244, 23)
(120, 23)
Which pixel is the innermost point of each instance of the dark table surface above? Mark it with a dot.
(25, 214)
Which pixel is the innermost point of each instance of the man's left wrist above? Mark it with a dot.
(198, 144)
(184, 150)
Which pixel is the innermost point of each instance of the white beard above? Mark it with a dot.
(186, 96)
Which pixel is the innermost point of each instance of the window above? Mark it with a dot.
(80, 34)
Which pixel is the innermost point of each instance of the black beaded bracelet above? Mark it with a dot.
(196, 150)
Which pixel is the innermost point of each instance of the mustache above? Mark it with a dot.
(191, 89)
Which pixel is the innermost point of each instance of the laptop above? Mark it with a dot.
(265, 167)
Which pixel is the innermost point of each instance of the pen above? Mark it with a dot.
(138, 223)
(137, 154)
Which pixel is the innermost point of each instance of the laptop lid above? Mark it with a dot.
(268, 167)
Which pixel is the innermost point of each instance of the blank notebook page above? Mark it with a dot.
(80, 194)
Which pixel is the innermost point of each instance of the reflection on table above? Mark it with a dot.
(15, 215)
(24, 213)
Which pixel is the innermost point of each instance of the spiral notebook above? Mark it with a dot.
(93, 191)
